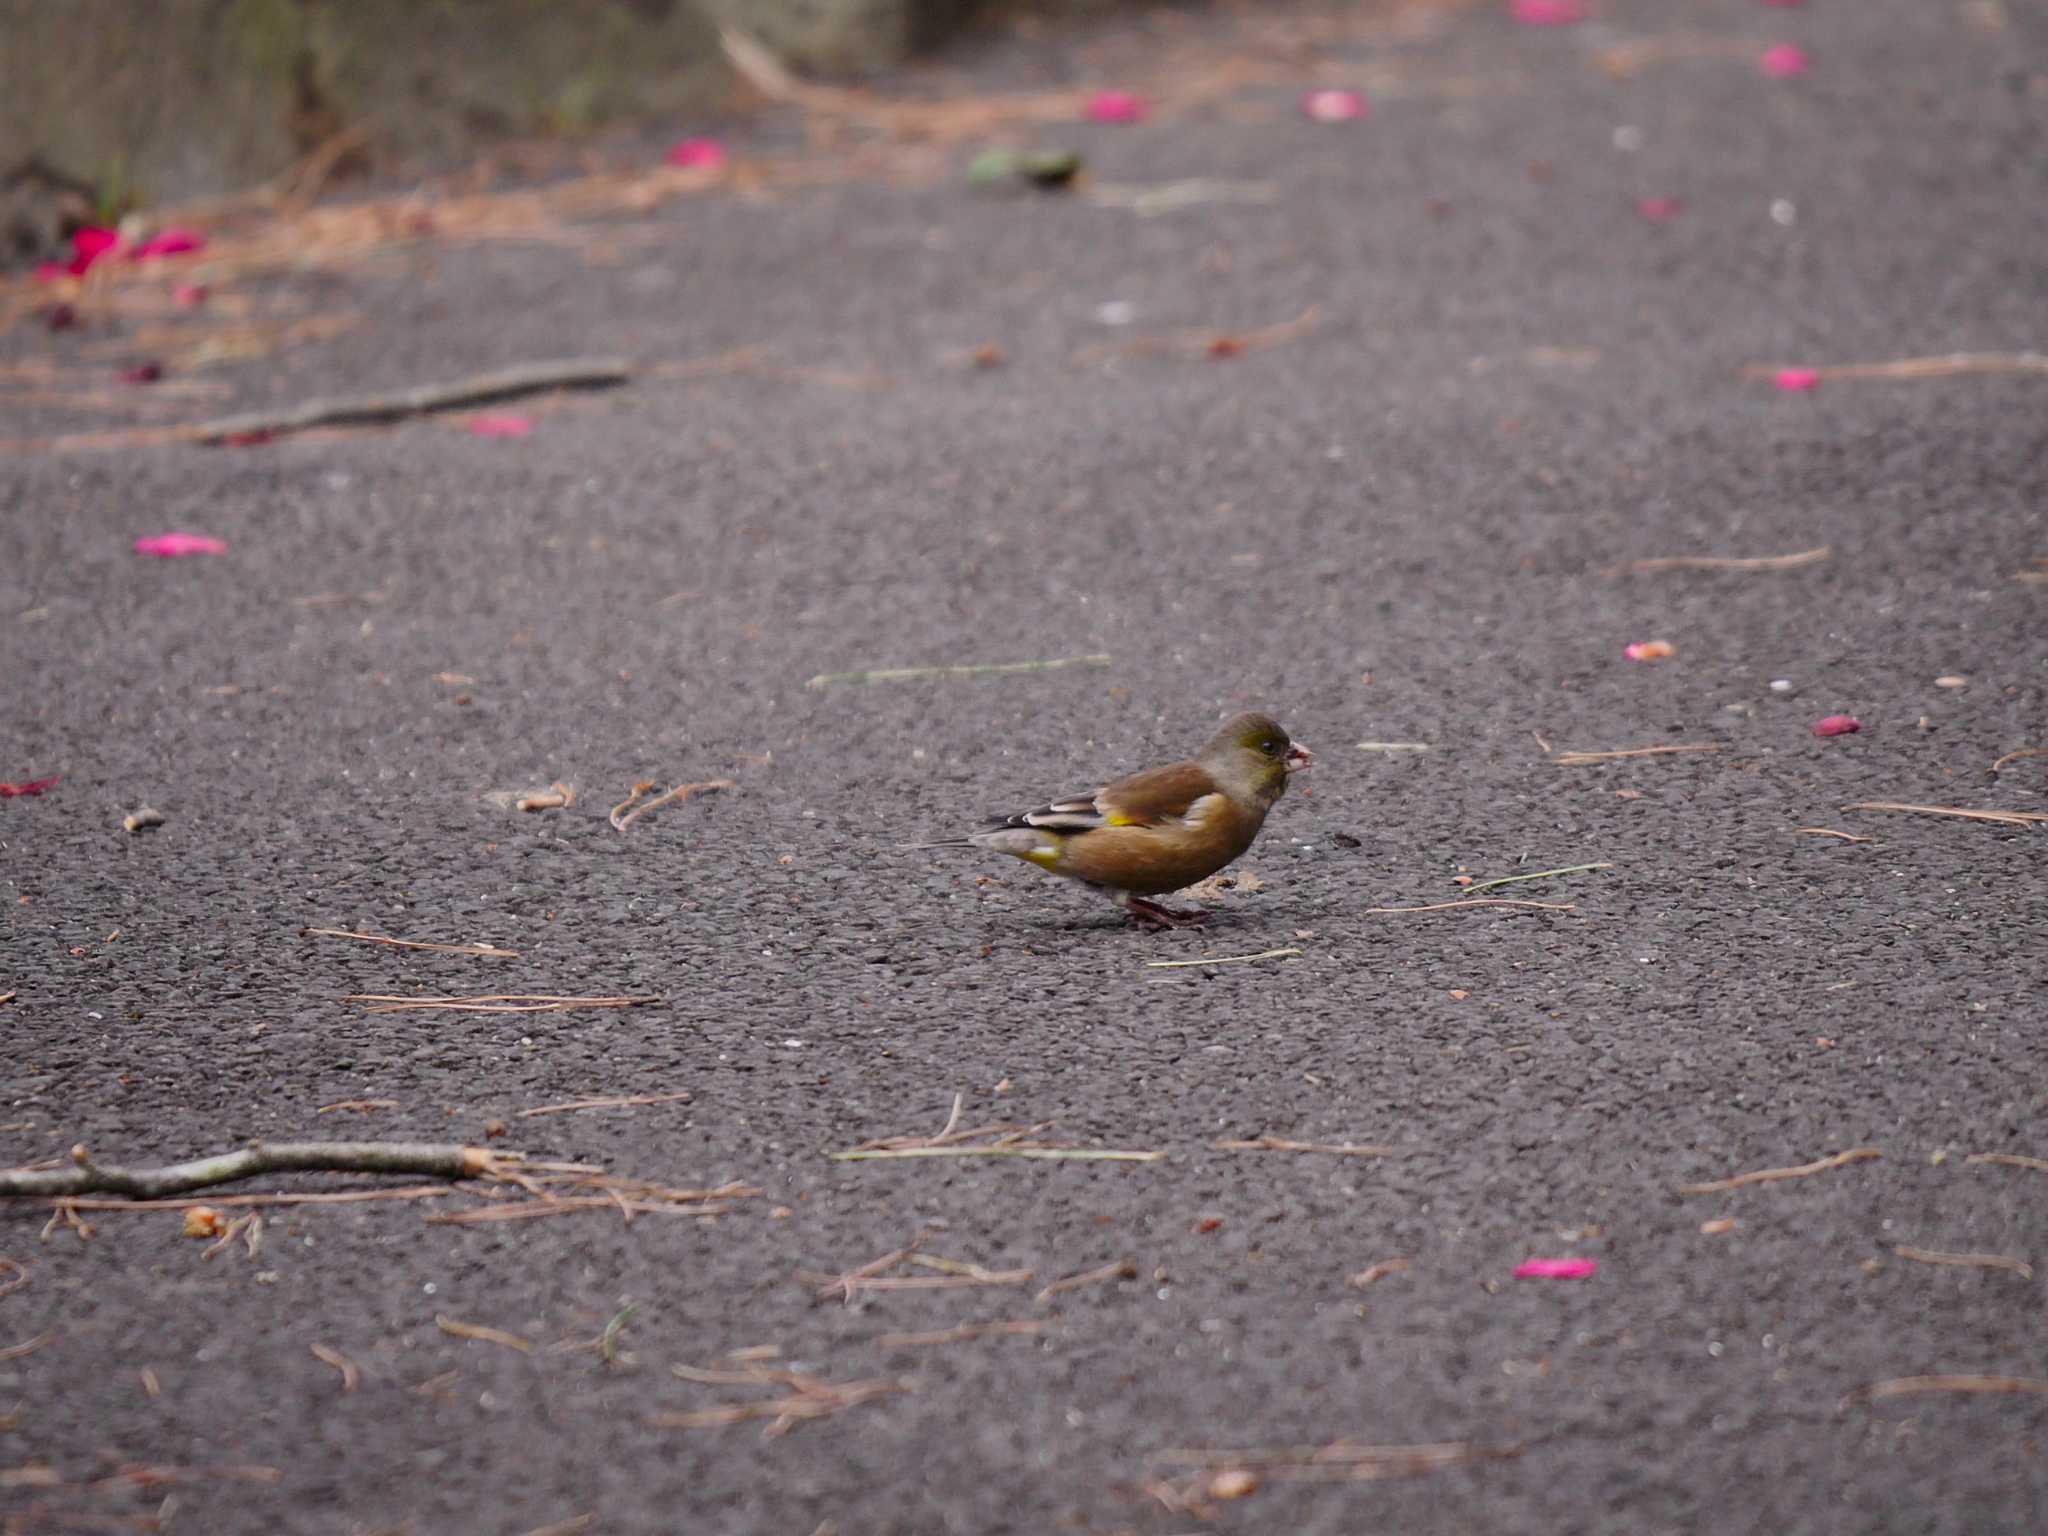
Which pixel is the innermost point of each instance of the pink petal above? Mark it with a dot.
(697, 154)
(188, 295)
(169, 242)
(1333, 106)
(1784, 60)
(32, 787)
(1797, 380)
(1658, 210)
(501, 426)
(1547, 13)
(88, 245)
(175, 546)
(1649, 650)
(1115, 107)
(1556, 1269)
(1837, 725)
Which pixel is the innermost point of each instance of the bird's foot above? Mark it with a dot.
(1150, 914)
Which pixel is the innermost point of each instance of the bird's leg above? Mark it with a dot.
(1153, 915)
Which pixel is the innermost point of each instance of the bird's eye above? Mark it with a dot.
(1272, 747)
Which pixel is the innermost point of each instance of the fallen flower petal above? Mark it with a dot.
(1797, 380)
(1837, 725)
(1333, 106)
(142, 373)
(697, 154)
(1115, 107)
(88, 245)
(1556, 1269)
(1547, 13)
(1650, 650)
(188, 295)
(169, 242)
(32, 787)
(1658, 210)
(176, 546)
(1784, 61)
(501, 426)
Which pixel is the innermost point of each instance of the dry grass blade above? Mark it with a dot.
(1281, 1144)
(351, 1373)
(1122, 1269)
(481, 1334)
(1773, 1175)
(1909, 1386)
(1966, 1260)
(1264, 954)
(974, 669)
(1030, 1152)
(1717, 563)
(2009, 1160)
(2013, 757)
(850, 1281)
(2007, 818)
(1541, 874)
(1580, 759)
(574, 1106)
(1022, 1325)
(1946, 366)
(1342, 1461)
(498, 1002)
(1847, 837)
(1478, 901)
(807, 1397)
(444, 949)
(357, 1105)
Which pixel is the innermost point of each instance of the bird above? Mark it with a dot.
(1158, 830)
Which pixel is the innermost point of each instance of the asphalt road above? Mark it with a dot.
(1409, 520)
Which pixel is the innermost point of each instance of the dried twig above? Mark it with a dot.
(557, 796)
(2013, 757)
(306, 1197)
(1580, 759)
(497, 1002)
(26, 1347)
(2008, 818)
(983, 1141)
(963, 1332)
(2009, 1160)
(1966, 1260)
(1847, 837)
(477, 1331)
(1378, 1271)
(1908, 1386)
(1946, 366)
(378, 938)
(352, 410)
(351, 1373)
(17, 1273)
(1772, 1175)
(1264, 954)
(1281, 1144)
(1030, 1152)
(1544, 874)
(1122, 1269)
(575, 1105)
(981, 669)
(1716, 563)
(807, 1397)
(621, 817)
(448, 1161)
(1479, 901)
(846, 1284)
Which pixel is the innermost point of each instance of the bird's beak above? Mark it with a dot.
(1298, 757)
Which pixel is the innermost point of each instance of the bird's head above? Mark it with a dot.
(1253, 756)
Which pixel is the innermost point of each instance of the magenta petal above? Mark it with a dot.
(1797, 380)
(1658, 210)
(88, 245)
(1547, 13)
(1837, 725)
(1784, 60)
(169, 242)
(696, 154)
(501, 426)
(176, 546)
(1556, 1269)
(1333, 106)
(1115, 107)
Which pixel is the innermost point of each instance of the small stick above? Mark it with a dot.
(1482, 901)
(964, 1331)
(2009, 818)
(1379, 1271)
(618, 1103)
(26, 1347)
(984, 669)
(1122, 1269)
(1847, 837)
(2009, 1160)
(680, 793)
(1575, 869)
(643, 787)
(378, 938)
(1942, 367)
(1715, 563)
(1966, 1260)
(1907, 1386)
(2013, 757)
(447, 1161)
(1264, 954)
(19, 1273)
(351, 1373)
(851, 1281)
(356, 1104)
(356, 410)
(555, 797)
(560, 1206)
(1771, 1175)
(344, 1197)
(1580, 759)
(1281, 1144)
(1038, 1153)
(450, 1326)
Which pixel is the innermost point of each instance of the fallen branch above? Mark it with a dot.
(1772, 1175)
(378, 938)
(447, 1161)
(353, 410)
(2008, 818)
(1908, 1386)
(1580, 759)
(1480, 901)
(1717, 563)
(980, 669)
(1966, 1260)
(1281, 1144)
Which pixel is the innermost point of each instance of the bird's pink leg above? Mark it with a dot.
(1151, 914)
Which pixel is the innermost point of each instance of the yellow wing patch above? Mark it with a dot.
(1044, 858)
(1119, 819)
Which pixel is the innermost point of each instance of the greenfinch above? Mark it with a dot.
(1161, 829)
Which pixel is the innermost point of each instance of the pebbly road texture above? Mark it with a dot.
(1409, 518)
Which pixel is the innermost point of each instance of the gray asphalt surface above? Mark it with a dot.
(1402, 526)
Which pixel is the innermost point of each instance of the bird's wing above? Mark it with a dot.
(1184, 792)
